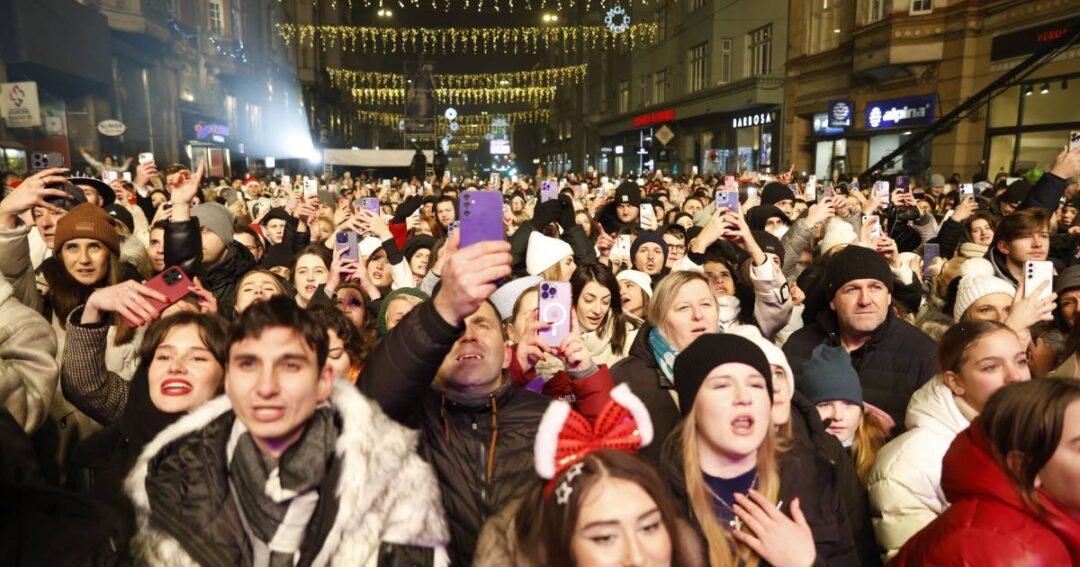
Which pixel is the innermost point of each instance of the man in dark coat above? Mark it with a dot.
(892, 357)
(477, 429)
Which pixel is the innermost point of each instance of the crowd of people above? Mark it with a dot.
(346, 369)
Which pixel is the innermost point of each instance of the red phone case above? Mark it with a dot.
(173, 283)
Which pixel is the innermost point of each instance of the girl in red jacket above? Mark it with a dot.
(1014, 482)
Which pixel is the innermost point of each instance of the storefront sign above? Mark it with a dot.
(749, 120)
(605, 150)
(212, 131)
(1030, 40)
(111, 127)
(19, 104)
(665, 135)
(821, 125)
(840, 112)
(618, 150)
(900, 112)
(665, 115)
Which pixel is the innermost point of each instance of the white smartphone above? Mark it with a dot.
(881, 191)
(127, 176)
(109, 176)
(875, 231)
(311, 188)
(146, 157)
(622, 246)
(967, 190)
(648, 216)
(811, 188)
(1035, 273)
(1074, 140)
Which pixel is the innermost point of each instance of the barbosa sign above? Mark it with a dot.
(756, 119)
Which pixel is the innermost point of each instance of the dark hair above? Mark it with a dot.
(676, 230)
(1022, 223)
(65, 293)
(213, 331)
(245, 229)
(601, 274)
(353, 338)
(1027, 419)
(545, 528)
(313, 249)
(956, 341)
(281, 311)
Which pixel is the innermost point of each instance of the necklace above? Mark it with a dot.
(736, 522)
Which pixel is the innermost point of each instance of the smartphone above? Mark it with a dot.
(693, 171)
(929, 252)
(881, 191)
(109, 176)
(967, 190)
(727, 200)
(173, 283)
(811, 188)
(751, 192)
(1035, 273)
(647, 216)
(548, 190)
(45, 160)
(875, 232)
(903, 183)
(371, 204)
(854, 184)
(347, 240)
(311, 188)
(127, 176)
(1074, 140)
(146, 157)
(622, 246)
(481, 216)
(554, 307)
(450, 228)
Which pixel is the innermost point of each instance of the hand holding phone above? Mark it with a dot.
(930, 251)
(647, 216)
(347, 242)
(548, 190)
(727, 200)
(311, 188)
(1074, 140)
(1037, 272)
(146, 157)
(554, 308)
(481, 216)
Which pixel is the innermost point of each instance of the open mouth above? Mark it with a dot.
(176, 387)
(742, 425)
(470, 356)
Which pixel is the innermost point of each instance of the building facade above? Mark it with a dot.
(866, 75)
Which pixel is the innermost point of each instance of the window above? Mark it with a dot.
(696, 5)
(698, 67)
(759, 52)
(624, 96)
(214, 15)
(659, 86)
(875, 11)
(725, 61)
(827, 25)
(920, 7)
(643, 91)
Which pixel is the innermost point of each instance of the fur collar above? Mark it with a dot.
(376, 453)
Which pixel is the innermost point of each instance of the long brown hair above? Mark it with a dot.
(1023, 423)
(723, 550)
(545, 529)
(66, 293)
(613, 327)
(870, 437)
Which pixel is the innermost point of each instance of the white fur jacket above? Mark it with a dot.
(387, 496)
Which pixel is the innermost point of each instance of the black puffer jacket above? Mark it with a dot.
(640, 371)
(896, 361)
(183, 247)
(804, 474)
(456, 436)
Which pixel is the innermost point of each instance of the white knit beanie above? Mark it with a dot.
(977, 280)
(544, 252)
(837, 232)
(640, 279)
(508, 293)
(368, 245)
(772, 352)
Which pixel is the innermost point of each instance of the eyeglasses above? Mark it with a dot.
(676, 247)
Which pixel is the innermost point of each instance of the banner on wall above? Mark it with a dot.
(19, 104)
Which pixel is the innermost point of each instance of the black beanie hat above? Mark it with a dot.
(775, 192)
(706, 353)
(275, 213)
(628, 193)
(276, 256)
(1016, 192)
(768, 243)
(759, 215)
(415, 244)
(645, 237)
(856, 263)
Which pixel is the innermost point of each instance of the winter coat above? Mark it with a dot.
(988, 523)
(378, 495)
(584, 252)
(641, 372)
(183, 248)
(905, 483)
(456, 436)
(897, 360)
(17, 268)
(85, 378)
(804, 474)
(28, 368)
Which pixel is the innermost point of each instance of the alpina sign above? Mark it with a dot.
(756, 119)
(900, 112)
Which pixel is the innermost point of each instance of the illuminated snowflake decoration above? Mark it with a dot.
(617, 20)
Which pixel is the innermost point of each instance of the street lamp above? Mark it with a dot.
(550, 18)
(384, 13)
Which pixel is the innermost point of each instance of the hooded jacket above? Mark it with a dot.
(28, 368)
(378, 500)
(987, 523)
(183, 248)
(896, 361)
(905, 483)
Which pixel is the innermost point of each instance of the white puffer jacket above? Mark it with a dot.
(905, 483)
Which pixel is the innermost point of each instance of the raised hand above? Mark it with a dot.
(127, 299)
(207, 302)
(33, 192)
(470, 276)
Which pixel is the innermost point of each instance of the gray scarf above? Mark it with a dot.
(276, 501)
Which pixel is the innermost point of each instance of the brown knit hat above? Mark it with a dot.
(86, 221)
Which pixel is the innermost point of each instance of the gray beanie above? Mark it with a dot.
(217, 218)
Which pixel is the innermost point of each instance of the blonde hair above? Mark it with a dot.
(723, 550)
(870, 437)
(664, 294)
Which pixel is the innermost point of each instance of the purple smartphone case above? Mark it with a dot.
(481, 216)
(548, 190)
(352, 251)
(554, 308)
(371, 204)
(728, 199)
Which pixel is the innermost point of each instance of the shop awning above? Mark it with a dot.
(372, 158)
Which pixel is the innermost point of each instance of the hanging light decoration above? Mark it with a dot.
(467, 122)
(501, 6)
(532, 95)
(520, 40)
(554, 77)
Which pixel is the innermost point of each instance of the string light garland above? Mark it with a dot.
(500, 6)
(554, 77)
(532, 95)
(479, 121)
(521, 40)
